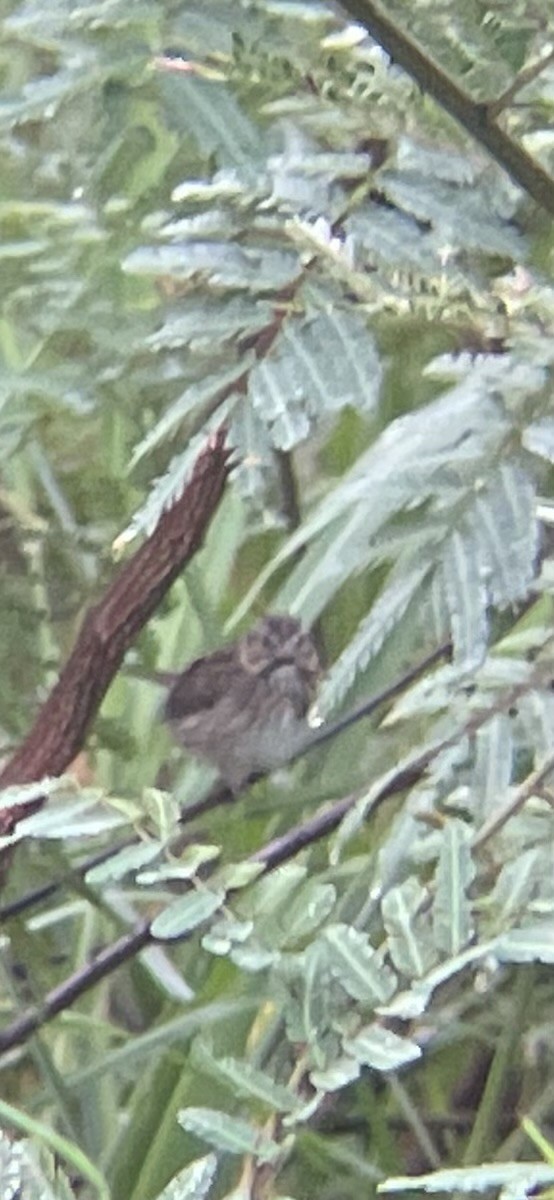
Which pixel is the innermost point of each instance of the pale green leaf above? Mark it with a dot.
(308, 910)
(205, 323)
(536, 717)
(56, 1143)
(408, 463)
(238, 875)
(459, 215)
(507, 532)
(509, 899)
(252, 957)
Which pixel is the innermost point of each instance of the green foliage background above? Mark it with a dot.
(283, 232)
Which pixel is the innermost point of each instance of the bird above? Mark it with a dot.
(243, 708)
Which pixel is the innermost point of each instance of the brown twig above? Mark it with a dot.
(111, 626)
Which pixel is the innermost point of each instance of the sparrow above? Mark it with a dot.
(243, 708)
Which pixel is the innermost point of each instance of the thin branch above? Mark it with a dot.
(219, 794)
(367, 707)
(76, 985)
(271, 855)
(30, 899)
(522, 79)
(518, 798)
(476, 118)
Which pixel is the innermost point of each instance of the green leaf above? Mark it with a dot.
(466, 597)
(207, 391)
(123, 863)
(507, 532)
(244, 1080)
(533, 943)
(225, 266)
(207, 322)
(509, 899)
(474, 1179)
(235, 876)
(36, 1174)
(539, 438)
(129, 1059)
(387, 612)
(252, 957)
(379, 1048)
(185, 914)
(193, 1182)
(72, 819)
(452, 919)
(408, 464)
(190, 861)
(230, 1134)
(494, 762)
(337, 1074)
(409, 941)
(320, 363)
(392, 238)
(358, 967)
(413, 1002)
(223, 934)
(308, 910)
(209, 111)
(27, 793)
(271, 896)
(448, 207)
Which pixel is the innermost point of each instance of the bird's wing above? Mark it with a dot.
(200, 686)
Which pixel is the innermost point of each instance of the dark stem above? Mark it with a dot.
(476, 118)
